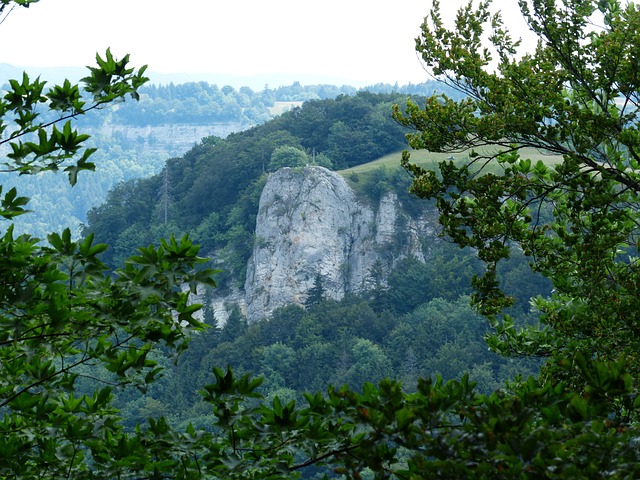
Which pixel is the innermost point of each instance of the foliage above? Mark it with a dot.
(287, 157)
(62, 311)
(444, 430)
(194, 103)
(48, 148)
(352, 341)
(315, 295)
(576, 95)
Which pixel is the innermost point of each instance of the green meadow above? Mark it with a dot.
(430, 160)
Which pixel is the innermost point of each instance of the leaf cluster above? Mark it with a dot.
(39, 145)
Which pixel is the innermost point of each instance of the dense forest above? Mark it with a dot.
(417, 324)
(112, 371)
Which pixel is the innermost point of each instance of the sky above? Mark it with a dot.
(357, 42)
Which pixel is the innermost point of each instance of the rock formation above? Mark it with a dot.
(311, 222)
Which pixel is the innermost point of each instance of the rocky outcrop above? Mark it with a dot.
(167, 139)
(311, 222)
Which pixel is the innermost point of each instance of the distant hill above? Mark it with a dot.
(256, 82)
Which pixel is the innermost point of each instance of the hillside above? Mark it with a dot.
(327, 278)
(212, 191)
(135, 139)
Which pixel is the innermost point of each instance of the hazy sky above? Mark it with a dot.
(363, 41)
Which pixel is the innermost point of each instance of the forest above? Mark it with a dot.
(510, 353)
(407, 330)
(135, 139)
(360, 338)
(338, 133)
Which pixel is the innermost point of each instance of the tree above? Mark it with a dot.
(369, 363)
(315, 295)
(61, 310)
(287, 156)
(576, 215)
(235, 325)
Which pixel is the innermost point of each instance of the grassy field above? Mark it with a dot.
(430, 160)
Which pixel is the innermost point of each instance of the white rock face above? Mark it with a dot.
(311, 222)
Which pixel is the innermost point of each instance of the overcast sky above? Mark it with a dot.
(360, 41)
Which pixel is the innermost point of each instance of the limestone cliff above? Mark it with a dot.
(311, 222)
